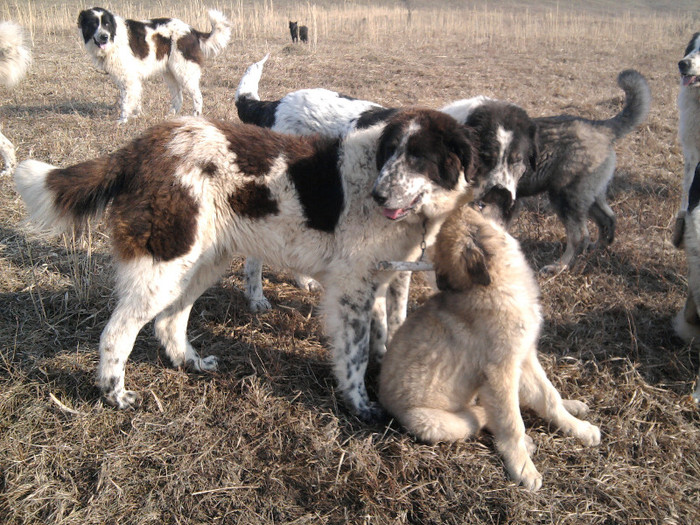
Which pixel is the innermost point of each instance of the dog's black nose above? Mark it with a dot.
(378, 197)
(102, 39)
(684, 66)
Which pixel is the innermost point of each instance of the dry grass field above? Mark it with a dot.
(265, 440)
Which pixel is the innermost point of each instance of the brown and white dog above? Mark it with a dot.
(190, 194)
(131, 51)
(467, 358)
(15, 58)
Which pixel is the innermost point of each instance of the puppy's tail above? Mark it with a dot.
(15, 56)
(637, 102)
(214, 43)
(59, 199)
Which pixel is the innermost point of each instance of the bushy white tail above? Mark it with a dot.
(15, 56)
(30, 182)
(219, 36)
(248, 86)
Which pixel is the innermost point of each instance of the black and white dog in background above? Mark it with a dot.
(570, 158)
(507, 147)
(190, 194)
(131, 51)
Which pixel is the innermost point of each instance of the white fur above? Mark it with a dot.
(129, 71)
(15, 59)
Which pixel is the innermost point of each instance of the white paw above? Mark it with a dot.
(530, 445)
(123, 399)
(589, 434)
(259, 305)
(206, 364)
(307, 283)
(528, 476)
(574, 407)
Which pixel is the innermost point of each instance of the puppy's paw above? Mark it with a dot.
(307, 283)
(575, 408)
(530, 445)
(527, 475)
(372, 413)
(588, 434)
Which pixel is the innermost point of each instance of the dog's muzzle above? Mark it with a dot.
(101, 39)
(685, 67)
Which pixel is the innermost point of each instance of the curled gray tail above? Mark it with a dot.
(637, 103)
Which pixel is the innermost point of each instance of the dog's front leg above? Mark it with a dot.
(347, 319)
(389, 312)
(130, 100)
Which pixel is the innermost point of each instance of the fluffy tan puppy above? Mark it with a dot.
(467, 358)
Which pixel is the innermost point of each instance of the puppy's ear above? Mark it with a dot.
(468, 267)
(81, 17)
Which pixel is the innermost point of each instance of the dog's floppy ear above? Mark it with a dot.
(81, 17)
(462, 145)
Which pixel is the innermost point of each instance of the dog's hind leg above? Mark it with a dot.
(433, 425)
(538, 393)
(145, 289)
(576, 234)
(175, 92)
(171, 324)
(499, 397)
(252, 275)
(189, 78)
(605, 219)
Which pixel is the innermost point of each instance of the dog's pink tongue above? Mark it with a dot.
(689, 79)
(392, 214)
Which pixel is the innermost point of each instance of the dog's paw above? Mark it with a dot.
(257, 306)
(588, 434)
(372, 413)
(530, 445)
(552, 269)
(527, 475)
(575, 408)
(123, 399)
(307, 283)
(205, 364)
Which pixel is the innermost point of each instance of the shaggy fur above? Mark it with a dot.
(294, 30)
(689, 124)
(575, 163)
(15, 59)
(190, 194)
(687, 321)
(507, 148)
(467, 358)
(131, 51)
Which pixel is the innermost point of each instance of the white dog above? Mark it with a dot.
(190, 194)
(131, 51)
(15, 59)
(467, 358)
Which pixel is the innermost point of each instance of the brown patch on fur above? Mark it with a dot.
(154, 215)
(137, 38)
(257, 148)
(163, 45)
(188, 45)
(253, 200)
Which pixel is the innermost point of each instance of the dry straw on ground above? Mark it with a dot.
(264, 440)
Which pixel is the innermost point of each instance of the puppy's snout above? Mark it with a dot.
(684, 66)
(102, 38)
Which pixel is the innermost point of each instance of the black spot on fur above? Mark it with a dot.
(694, 192)
(154, 23)
(319, 186)
(373, 116)
(112, 383)
(258, 112)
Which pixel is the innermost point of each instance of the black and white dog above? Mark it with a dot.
(188, 195)
(507, 146)
(570, 158)
(131, 51)
(689, 123)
